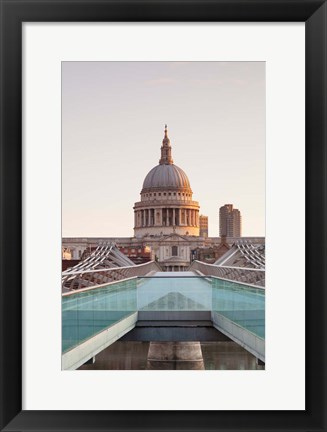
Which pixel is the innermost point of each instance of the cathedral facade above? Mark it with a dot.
(166, 222)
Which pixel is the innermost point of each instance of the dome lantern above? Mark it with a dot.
(166, 158)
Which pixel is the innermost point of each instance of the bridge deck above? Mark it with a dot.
(235, 309)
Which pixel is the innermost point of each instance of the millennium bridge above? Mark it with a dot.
(104, 300)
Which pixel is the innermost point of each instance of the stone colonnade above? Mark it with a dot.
(150, 217)
(169, 268)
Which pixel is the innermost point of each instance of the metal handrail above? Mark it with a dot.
(67, 272)
(86, 278)
(240, 274)
(107, 284)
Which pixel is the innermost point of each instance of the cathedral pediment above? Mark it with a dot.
(175, 238)
(175, 260)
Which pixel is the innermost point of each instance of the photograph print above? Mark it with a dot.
(163, 215)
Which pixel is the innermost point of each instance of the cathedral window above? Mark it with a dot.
(174, 251)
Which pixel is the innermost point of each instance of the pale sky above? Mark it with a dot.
(113, 117)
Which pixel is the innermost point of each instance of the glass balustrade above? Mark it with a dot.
(240, 303)
(174, 294)
(84, 314)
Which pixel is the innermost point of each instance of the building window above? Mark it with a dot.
(159, 194)
(174, 251)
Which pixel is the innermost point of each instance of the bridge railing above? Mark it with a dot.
(239, 274)
(72, 280)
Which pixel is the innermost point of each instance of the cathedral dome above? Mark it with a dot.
(167, 176)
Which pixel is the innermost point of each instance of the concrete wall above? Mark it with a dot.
(175, 334)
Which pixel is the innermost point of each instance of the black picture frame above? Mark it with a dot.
(13, 14)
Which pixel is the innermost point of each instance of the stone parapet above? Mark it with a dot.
(166, 203)
(166, 230)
